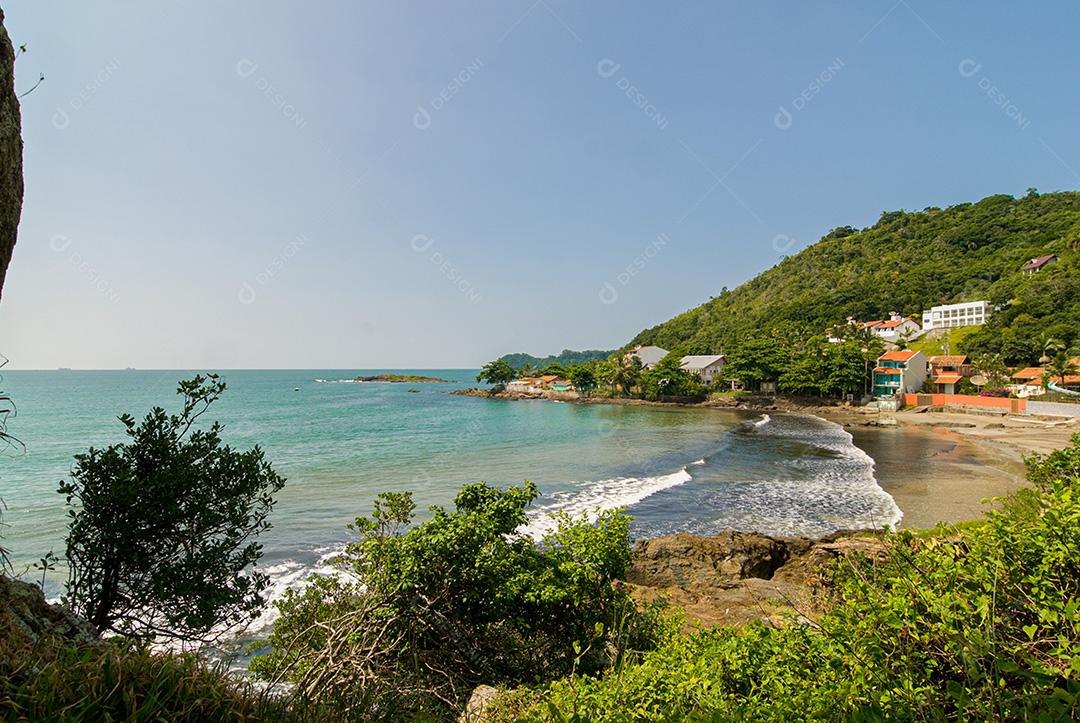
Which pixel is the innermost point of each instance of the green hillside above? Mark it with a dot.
(908, 262)
(566, 358)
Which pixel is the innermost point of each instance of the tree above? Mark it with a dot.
(669, 379)
(436, 607)
(583, 378)
(1060, 367)
(497, 372)
(993, 368)
(756, 360)
(162, 539)
(626, 373)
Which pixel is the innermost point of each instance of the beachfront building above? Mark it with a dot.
(947, 316)
(649, 356)
(899, 372)
(895, 328)
(525, 385)
(1036, 264)
(1028, 382)
(947, 371)
(706, 366)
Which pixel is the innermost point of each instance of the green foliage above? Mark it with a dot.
(909, 262)
(583, 377)
(566, 358)
(431, 610)
(119, 680)
(973, 622)
(162, 534)
(667, 379)
(496, 372)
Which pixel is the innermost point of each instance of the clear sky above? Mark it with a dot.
(433, 184)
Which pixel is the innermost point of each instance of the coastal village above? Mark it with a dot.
(903, 375)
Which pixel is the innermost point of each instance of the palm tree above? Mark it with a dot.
(626, 374)
(1051, 347)
(1060, 367)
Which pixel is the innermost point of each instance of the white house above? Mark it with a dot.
(649, 356)
(968, 313)
(706, 366)
(894, 328)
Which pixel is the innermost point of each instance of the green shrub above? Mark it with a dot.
(430, 611)
(977, 623)
(122, 681)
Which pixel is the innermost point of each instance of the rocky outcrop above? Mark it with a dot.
(735, 577)
(11, 156)
(25, 616)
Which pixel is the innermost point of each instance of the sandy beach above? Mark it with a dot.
(939, 467)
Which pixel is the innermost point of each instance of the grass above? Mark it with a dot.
(932, 345)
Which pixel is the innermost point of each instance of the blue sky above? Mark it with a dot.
(406, 184)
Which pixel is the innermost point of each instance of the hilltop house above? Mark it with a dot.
(947, 371)
(894, 328)
(649, 356)
(705, 366)
(968, 313)
(1036, 264)
(898, 372)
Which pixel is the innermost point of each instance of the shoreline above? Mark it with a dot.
(939, 467)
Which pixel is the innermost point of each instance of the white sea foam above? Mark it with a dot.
(696, 462)
(593, 497)
(765, 419)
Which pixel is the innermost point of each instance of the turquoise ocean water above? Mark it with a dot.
(339, 444)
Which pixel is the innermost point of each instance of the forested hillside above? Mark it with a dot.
(566, 358)
(908, 262)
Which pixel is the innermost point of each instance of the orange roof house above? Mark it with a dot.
(898, 356)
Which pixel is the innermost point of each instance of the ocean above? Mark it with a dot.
(341, 443)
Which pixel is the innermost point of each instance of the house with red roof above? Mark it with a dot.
(894, 328)
(1036, 264)
(947, 371)
(899, 372)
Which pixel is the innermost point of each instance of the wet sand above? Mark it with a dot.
(936, 475)
(940, 467)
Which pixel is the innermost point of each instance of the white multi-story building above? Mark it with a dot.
(968, 313)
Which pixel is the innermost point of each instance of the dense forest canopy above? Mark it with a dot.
(566, 358)
(908, 262)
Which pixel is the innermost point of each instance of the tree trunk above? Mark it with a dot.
(11, 161)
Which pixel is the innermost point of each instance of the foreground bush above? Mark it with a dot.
(981, 624)
(430, 611)
(122, 681)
